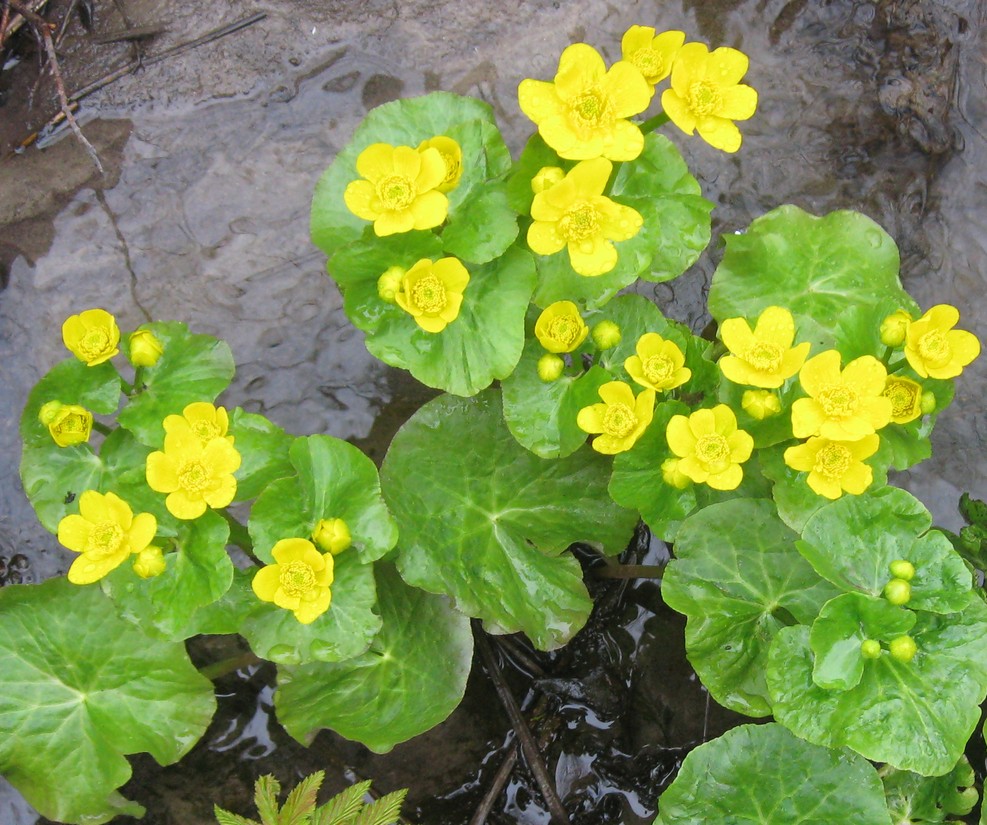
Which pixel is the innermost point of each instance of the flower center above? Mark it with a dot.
(658, 368)
(564, 330)
(193, 477)
(429, 294)
(903, 397)
(104, 540)
(934, 348)
(619, 420)
(764, 357)
(94, 342)
(704, 98)
(648, 61)
(712, 449)
(579, 222)
(296, 578)
(833, 461)
(396, 192)
(72, 424)
(838, 401)
(453, 167)
(206, 430)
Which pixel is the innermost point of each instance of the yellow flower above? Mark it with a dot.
(843, 406)
(672, 475)
(834, 467)
(150, 562)
(560, 327)
(621, 418)
(92, 336)
(760, 404)
(906, 398)
(332, 535)
(68, 423)
(298, 580)
(201, 420)
(105, 531)
(765, 356)
(145, 348)
(550, 367)
(710, 447)
(659, 364)
(194, 475)
(894, 328)
(452, 157)
(575, 213)
(934, 349)
(582, 114)
(652, 55)
(707, 96)
(546, 177)
(432, 292)
(399, 190)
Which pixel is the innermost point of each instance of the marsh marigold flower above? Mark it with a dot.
(432, 292)
(620, 419)
(894, 327)
(583, 113)
(91, 336)
(760, 404)
(145, 348)
(298, 580)
(658, 365)
(560, 327)
(399, 190)
(707, 96)
(195, 475)
(934, 349)
(452, 157)
(575, 214)
(106, 532)
(201, 419)
(834, 467)
(652, 55)
(764, 356)
(710, 447)
(332, 535)
(842, 405)
(906, 398)
(68, 424)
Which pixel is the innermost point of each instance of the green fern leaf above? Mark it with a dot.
(226, 818)
(385, 811)
(300, 804)
(266, 791)
(344, 807)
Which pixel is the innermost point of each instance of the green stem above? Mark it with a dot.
(217, 670)
(630, 571)
(102, 428)
(126, 386)
(655, 122)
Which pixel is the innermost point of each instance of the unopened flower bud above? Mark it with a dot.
(145, 348)
(673, 476)
(928, 403)
(150, 562)
(894, 328)
(550, 367)
(546, 178)
(870, 649)
(48, 412)
(898, 591)
(902, 569)
(68, 423)
(389, 284)
(331, 535)
(606, 335)
(903, 648)
(760, 404)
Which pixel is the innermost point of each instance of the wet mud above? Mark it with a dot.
(202, 216)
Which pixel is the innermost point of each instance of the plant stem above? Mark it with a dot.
(100, 427)
(630, 571)
(217, 670)
(655, 122)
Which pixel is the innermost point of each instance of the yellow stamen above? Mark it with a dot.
(296, 578)
(619, 420)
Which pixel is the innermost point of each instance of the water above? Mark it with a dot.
(211, 161)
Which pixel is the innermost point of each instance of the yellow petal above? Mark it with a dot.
(590, 176)
(824, 486)
(161, 473)
(680, 437)
(181, 505)
(86, 570)
(393, 223)
(407, 162)
(720, 133)
(689, 465)
(282, 599)
(724, 421)
(452, 273)
(792, 360)
(627, 89)
(739, 103)
(736, 335)
(118, 510)
(857, 478)
(142, 531)
(580, 65)
(866, 374)
(941, 316)
(617, 392)
(221, 457)
(801, 457)
(636, 37)
(775, 326)
(433, 170)
(74, 532)
(690, 67)
(703, 422)
(359, 197)
(266, 581)
(741, 446)
(375, 162)
(538, 99)
(678, 111)
(429, 209)
(557, 132)
(807, 417)
(590, 419)
(94, 507)
(222, 494)
(544, 239)
(819, 371)
(308, 611)
(728, 479)
(592, 257)
(726, 66)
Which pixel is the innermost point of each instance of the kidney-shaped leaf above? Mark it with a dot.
(924, 800)
(79, 689)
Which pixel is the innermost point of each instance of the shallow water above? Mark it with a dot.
(212, 158)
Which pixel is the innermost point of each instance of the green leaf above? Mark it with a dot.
(853, 541)
(411, 679)
(82, 688)
(385, 811)
(923, 800)
(739, 580)
(196, 575)
(263, 448)
(227, 818)
(408, 122)
(343, 807)
(838, 275)
(483, 228)
(486, 522)
(266, 790)
(796, 501)
(973, 510)
(227, 614)
(915, 715)
(54, 477)
(71, 382)
(763, 774)
(192, 368)
(300, 804)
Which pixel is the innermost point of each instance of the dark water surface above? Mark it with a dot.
(212, 158)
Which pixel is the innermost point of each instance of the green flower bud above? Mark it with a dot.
(389, 284)
(145, 348)
(870, 649)
(894, 327)
(928, 402)
(902, 569)
(898, 591)
(550, 367)
(903, 648)
(48, 412)
(606, 334)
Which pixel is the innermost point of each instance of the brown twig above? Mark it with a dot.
(500, 779)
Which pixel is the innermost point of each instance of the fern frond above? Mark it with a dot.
(344, 807)
(226, 818)
(385, 811)
(300, 804)
(266, 790)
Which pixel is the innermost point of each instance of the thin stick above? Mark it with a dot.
(65, 23)
(528, 746)
(500, 779)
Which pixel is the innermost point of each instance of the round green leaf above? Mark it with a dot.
(411, 679)
(739, 580)
(79, 689)
(53, 478)
(837, 274)
(71, 382)
(334, 480)
(481, 240)
(263, 448)
(763, 774)
(916, 715)
(853, 541)
(192, 368)
(486, 522)
(796, 501)
(923, 800)
(198, 573)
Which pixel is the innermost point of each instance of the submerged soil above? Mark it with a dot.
(210, 159)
